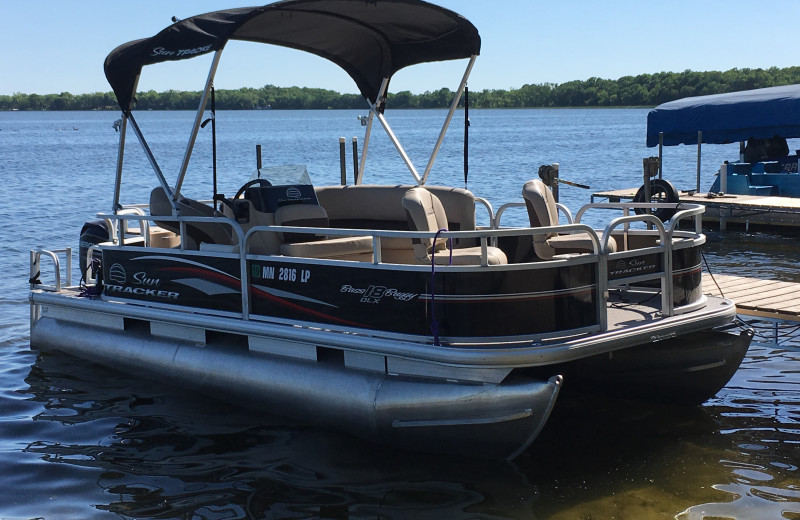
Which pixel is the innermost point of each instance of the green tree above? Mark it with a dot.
(641, 90)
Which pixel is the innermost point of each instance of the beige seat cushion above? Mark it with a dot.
(366, 206)
(261, 242)
(426, 213)
(543, 212)
(343, 248)
(469, 256)
(308, 245)
(575, 243)
(301, 215)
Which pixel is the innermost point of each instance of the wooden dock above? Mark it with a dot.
(738, 209)
(756, 297)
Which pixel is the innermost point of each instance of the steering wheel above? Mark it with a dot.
(260, 182)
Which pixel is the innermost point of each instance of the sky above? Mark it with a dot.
(53, 46)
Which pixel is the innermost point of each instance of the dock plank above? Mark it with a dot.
(757, 292)
(732, 281)
(727, 283)
(755, 296)
(756, 209)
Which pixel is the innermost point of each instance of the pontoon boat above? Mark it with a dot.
(385, 311)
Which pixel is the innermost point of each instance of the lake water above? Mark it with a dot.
(81, 441)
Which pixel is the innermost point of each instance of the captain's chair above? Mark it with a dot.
(196, 232)
(426, 213)
(543, 212)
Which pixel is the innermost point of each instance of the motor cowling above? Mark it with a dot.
(92, 233)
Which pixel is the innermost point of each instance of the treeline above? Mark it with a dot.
(641, 90)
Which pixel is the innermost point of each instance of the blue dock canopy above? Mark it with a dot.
(727, 118)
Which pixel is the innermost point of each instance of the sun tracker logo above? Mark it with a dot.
(119, 285)
(117, 274)
(631, 267)
(180, 53)
(293, 193)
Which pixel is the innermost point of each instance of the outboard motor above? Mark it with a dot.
(92, 233)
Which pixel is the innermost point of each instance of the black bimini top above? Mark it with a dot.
(370, 39)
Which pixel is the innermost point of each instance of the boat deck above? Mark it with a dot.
(746, 209)
(756, 297)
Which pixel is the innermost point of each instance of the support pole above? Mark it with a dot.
(365, 146)
(372, 111)
(198, 120)
(214, 142)
(449, 117)
(149, 154)
(120, 154)
(646, 180)
(466, 135)
(399, 147)
(699, 146)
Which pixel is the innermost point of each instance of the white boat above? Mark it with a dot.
(385, 311)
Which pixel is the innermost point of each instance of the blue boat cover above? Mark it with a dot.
(727, 118)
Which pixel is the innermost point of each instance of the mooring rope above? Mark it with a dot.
(434, 321)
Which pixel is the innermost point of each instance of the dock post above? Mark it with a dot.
(342, 161)
(699, 145)
(723, 177)
(356, 176)
(651, 166)
(723, 187)
(555, 181)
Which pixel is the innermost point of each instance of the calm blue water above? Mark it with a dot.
(80, 441)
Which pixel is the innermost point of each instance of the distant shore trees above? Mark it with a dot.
(641, 90)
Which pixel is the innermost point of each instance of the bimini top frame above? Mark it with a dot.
(370, 40)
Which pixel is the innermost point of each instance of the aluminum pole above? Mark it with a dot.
(449, 118)
(197, 122)
(120, 153)
(399, 148)
(149, 153)
(381, 93)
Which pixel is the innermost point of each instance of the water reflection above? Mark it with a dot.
(159, 453)
(753, 253)
(152, 451)
(734, 458)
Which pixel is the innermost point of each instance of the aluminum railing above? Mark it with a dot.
(599, 256)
